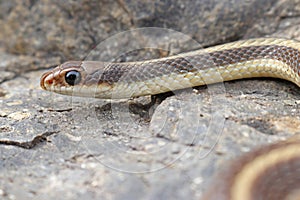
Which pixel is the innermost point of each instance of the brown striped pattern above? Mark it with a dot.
(140, 71)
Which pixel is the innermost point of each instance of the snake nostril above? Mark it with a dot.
(46, 80)
(49, 81)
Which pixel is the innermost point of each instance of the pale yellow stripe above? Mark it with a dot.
(238, 44)
(256, 42)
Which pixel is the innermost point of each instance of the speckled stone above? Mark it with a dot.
(55, 146)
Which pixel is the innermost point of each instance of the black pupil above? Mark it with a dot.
(73, 77)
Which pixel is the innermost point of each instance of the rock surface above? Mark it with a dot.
(55, 146)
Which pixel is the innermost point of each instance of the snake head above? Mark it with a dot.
(63, 78)
(72, 78)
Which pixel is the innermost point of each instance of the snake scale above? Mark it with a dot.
(270, 172)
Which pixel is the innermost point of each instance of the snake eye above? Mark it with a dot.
(73, 77)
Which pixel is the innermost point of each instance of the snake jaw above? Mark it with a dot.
(55, 80)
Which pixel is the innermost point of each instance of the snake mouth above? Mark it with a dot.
(46, 80)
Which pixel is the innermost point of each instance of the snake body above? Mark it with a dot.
(271, 172)
(256, 174)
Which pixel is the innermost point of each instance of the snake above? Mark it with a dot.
(269, 172)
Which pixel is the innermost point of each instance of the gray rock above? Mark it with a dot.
(54, 146)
